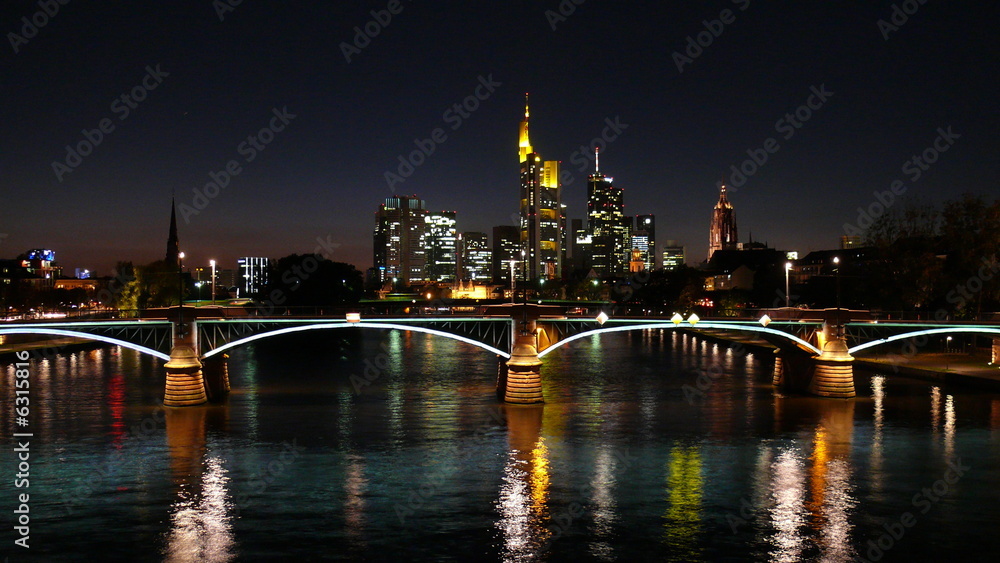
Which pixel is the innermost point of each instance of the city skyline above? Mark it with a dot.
(829, 106)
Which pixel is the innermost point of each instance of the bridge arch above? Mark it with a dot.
(744, 328)
(328, 326)
(87, 336)
(927, 332)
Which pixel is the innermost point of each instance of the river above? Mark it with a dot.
(349, 445)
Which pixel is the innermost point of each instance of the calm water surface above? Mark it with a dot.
(631, 458)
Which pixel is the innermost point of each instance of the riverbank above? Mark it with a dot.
(970, 370)
(42, 346)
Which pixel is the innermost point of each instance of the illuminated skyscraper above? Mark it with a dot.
(400, 229)
(722, 235)
(541, 210)
(475, 257)
(440, 243)
(608, 225)
(253, 275)
(673, 255)
(645, 226)
(506, 248)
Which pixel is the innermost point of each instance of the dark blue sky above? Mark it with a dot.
(322, 176)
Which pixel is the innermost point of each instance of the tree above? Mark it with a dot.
(309, 280)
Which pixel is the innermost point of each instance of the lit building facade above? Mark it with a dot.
(475, 257)
(506, 249)
(542, 216)
(673, 255)
(400, 229)
(722, 233)
(441, 244)
(252, 277)
(609, 227)
(645, 225)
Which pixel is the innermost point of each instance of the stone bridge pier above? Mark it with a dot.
(830, 374)
(189, 381)
(521, 383)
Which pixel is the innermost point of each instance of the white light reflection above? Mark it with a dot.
(788, 513)
(201, 529)
(524, 495)
(935, 409)
(836, 534)
(514, 505)
(878, 396)
(355, 487)
(949, 427)
(604, 504)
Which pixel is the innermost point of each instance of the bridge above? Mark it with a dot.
(814, 349)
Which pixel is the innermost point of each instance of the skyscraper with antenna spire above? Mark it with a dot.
(541, 211)
(608, 225)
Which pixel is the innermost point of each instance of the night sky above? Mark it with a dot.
(323, 176)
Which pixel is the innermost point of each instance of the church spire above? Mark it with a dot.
(173, 250)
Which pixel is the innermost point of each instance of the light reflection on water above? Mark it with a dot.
(201, 527)
(817, 475)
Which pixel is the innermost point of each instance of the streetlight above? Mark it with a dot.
(180, 292)
(788, 268)
(512, 290)
(836, 263)
(212, 263)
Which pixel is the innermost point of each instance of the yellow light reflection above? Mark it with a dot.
(682, 521)
(524, 492)
(201, 527)
(539, 477)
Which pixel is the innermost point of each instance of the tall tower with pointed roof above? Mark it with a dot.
(541, 210)
(722, 234)
(173, 250)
